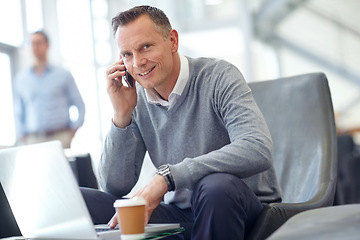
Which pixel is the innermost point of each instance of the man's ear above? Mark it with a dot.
(174, 39)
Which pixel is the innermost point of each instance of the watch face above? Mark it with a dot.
(163, 168)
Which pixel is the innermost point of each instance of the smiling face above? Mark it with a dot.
(148, 56)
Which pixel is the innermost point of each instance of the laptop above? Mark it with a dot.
(45, 197)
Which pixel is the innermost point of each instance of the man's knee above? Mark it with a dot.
(99, 204)
(226, 194)
(220, 186)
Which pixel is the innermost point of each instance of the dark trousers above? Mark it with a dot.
(222, 207)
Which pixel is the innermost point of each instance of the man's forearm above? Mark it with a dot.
(122, 153)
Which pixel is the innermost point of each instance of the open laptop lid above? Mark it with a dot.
(40, 186)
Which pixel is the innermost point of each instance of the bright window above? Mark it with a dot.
(77, 53)
(11, 23)
(34, 17)
(7, 127)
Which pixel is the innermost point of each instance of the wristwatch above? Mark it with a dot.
(164, 170)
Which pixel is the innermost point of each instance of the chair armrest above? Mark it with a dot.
(274, 215)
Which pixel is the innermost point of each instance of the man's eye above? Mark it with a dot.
(146, 46)
(126, 55)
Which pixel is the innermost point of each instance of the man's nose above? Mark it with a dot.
(139, 60)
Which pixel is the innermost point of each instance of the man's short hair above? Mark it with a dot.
(41, 32)
(161, 21)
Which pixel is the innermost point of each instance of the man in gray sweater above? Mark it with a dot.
(199, 123)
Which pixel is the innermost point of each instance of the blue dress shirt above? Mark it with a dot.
(43, 101)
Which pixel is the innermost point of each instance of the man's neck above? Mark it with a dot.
(40, 66)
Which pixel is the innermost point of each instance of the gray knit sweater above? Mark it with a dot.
(215, 126)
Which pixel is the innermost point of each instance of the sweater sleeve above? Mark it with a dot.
(121, 160)
(249, 151)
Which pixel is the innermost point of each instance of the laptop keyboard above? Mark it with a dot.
(106, 229)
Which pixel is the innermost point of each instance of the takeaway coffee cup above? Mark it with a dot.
(131, 217)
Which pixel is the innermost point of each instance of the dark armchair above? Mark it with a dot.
(299, 113)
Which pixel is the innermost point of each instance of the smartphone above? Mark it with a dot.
(129, 79)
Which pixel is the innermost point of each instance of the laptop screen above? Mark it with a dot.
(43, 192)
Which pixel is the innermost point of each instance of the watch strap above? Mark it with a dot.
(164, 171)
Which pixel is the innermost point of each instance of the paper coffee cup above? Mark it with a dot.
(131, 217)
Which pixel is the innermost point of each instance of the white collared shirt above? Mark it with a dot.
(154, 98)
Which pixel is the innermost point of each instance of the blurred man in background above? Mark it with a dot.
(44, 95)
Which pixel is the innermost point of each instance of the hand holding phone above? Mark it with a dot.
(123, 99)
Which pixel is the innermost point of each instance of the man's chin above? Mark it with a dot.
(146, 85)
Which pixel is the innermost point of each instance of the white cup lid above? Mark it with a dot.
(136, 201)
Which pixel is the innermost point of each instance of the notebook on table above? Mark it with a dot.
(45, 197)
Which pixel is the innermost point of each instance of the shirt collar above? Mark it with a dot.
(183, 76)
(46, 69)
(154, 98)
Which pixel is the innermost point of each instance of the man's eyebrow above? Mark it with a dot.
(139, 47)
(148, 42)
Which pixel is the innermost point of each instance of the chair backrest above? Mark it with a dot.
(300, 116)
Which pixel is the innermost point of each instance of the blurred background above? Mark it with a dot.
(265, 39)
